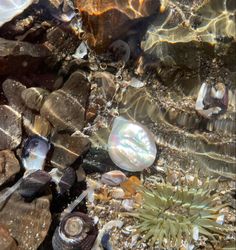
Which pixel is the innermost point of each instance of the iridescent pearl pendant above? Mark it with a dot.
(131, 145)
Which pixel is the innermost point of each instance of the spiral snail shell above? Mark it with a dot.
(76, 231)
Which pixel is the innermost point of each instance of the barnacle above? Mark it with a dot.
(171, 213)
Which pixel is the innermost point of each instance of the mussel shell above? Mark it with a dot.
(34, 153)
(64, 240)
(34, 184)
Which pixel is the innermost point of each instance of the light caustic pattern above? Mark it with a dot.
(131, 8)
(206, 22)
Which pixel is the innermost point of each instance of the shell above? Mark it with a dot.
(34, 153)
(11, 8)
(212, 100)
(76, 231)
(34, 184)
(131, 146)
(34, 97)
(113, 178)
(63, 178)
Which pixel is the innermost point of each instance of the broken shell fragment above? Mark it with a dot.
(76, 231)
(212, 100)
(113, 178)
(34, 153)
(131, 146)
(64, 179)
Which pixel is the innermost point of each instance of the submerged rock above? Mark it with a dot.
(10, 9)
(27, 222)
(10, 128)
(107, 21)
(9, 166)
(65, 108)
(34, 97)
(20, 57)
(6, 241)
(67, 149)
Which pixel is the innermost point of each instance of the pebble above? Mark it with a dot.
(65, 108)
(9, 166)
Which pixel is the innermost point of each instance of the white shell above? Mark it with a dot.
(131, 146)
(11, 8)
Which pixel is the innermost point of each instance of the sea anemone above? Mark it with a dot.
(173, 214)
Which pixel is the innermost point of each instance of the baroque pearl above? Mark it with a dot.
(131, 146)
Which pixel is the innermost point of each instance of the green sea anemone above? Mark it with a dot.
(174, 213)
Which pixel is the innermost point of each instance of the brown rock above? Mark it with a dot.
(105, 21)
(6, 241)
(9, 166)
(10, 127)
(27, 222)
(67, 149)
(20, 57)
(34, 97)
(12, 90)
(65, 108)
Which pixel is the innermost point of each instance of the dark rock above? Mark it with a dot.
(27, 222)
(13, 90)
(65, 108)
(6, 241)
(9, 166)
(10, 127)
(61, 44)
(64, 179)
(67, 149)
(34, 184)
(98, 160)
(20, 57)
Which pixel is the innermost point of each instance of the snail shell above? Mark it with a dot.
(12, 8)
(76, 231)
(131, 146)
(34, 153)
